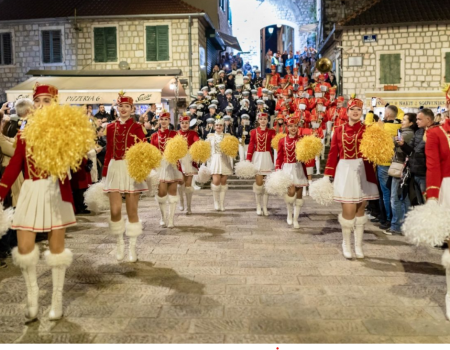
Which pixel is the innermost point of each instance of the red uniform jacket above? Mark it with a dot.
(119, 138)
(286, 152)
(304, 116)
(260, 141)
(160, 138)
(190, 136)
(81, 179)
(282, 102)
(20, 161)
(337, 115)
(317, 116)
(437, 151)
(280, 128)
(275, 80)
(296, 80)
(337, 150)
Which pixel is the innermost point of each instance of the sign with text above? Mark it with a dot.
(370, 38)
(412, 103)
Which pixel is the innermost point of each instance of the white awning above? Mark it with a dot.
(95, 90)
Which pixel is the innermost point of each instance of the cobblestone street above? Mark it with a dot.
(234, 277)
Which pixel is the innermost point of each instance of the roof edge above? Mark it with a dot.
(387, 25)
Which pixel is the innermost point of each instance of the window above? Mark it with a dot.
(5, 48)
(51, 46)
(230, 22)
(390, 68)
(222, 4)
(105, 44)
(447, 66)
(157, 41)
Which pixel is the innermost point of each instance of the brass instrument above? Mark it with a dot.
(243, 137)
(268, 78)
(324, 65)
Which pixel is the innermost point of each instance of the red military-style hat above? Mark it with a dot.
(317, 88)
(332, 90)
(321, 77)
(340, 99)
(282, 81)
(295, 69)
(44, 90)
(184, 118)
(164, 115)
(291, 120)
(355, 102)
(285, 92)
(273, 67)
(320, 101)
(303, 101)
(262, 115)
(122, 99)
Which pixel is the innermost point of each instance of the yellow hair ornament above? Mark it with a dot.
(353, 95)
(47, 141)
(377, 145)
(276, 140)
(176, 148)
(141, 159)
(308, 148)
(230, 146)
(200, 151)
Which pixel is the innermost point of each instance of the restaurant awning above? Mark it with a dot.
(230, 41)
(102, 89)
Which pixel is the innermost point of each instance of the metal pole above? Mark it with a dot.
(190, 57)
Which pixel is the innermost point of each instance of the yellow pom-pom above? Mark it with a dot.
(276, 140)
(176, 148)
(377, 145)
(58, 137)
(200, 151)
(308, 148)
(141, 159)
(230, 146)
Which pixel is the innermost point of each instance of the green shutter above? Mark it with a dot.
(46, 47)
(56, 46)
(384, 69)
(105, 44)
(157, 40)
(390, 68)
(447, 67)
(395, 68)
(99, 45)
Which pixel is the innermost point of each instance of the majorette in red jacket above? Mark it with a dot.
(260, 141)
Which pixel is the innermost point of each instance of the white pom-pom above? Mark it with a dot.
(277, 183)
(95, 199)
(427, 224)
(204, 174)
(6, 217)
(322, 191)
(245, 170)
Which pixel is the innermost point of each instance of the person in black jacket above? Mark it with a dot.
(230, 82)
(243, 134)
(229, 102)
(209, 129)
(212, 114)
(229, 126)
(100, 148)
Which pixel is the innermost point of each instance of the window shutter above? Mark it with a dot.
(5, 49)
(163, 42)
(111, 44)
(395, 67)
(99, 45)
(56, 46)
(46, 47)
(151, 43)
(384, 68)
(447, 67)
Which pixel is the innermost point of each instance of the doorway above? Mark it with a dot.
(276, 38)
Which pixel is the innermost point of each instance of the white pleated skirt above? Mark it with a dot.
(187, 167)
(221, 164)
(297, 174)
(263, 162)
(40, 207)
(350, 182)
(168, 173)
(119, 180)
(444, 192)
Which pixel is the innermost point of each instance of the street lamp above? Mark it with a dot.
(270, 30)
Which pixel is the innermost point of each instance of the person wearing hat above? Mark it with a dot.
(229, 127)
(337, 115)
(186, 165)
(239, 78)
(169, 175)
(319, 120)
(221, 94)
(232, 118)
(206, 96)
(220, 165)
(212, 112)
(208, 129)
(355, 181)
(296, 80)
(201, 102)
(275, 77)
(258, 80)
(222, 78)
(212, 89)
(230, 84)
(287, 162)
(243, 134)
(301, 111)
(261, 107)
(247, 84)
(286, 102)
(254, 95)
(260, 154)
(230, 101)
(288, 76)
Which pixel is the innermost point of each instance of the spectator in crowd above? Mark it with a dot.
(100, 148)
(102, 114)
(150, 113)
(215, 74)
(239, 61)
(268, 61)
(247, 68)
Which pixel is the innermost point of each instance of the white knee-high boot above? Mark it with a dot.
(189, 193)
(162, 202)
(317, 165)
(347, 227)
(265, 203)
(173, 200)
(289, 203)
(297, 208)
(181, 191)
(446, 264)
(258, 190)
(27, 264)
(117, 229)
(359, 234)
(59, 263)
(134, 230)
(216, 195)
(223, 190)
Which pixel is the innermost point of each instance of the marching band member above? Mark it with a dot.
(354, 178)
(275, 77)
(186, 165)
(43, 206)
(259, 153)
(336, 115)
(169, 175)
(319, 120)
(220, 165)
(287, 162)
(243, 136)
(120, 136)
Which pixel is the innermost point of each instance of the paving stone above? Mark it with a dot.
(198, 338)
(112, 338)
(192, 311)
(222, 326)
(273, 326)
(159, 326)
(261, 339)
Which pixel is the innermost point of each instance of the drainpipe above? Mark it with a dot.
(190, 56)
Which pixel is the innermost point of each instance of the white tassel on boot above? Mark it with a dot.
(134, 230)
(359, 234)
(117, 229)
(265, 203)
(162, 202)
(27, 263)
(223, 190)
(446, 264)
(181, 191)
(216, 195)
(173, 200)
(347, 227)
(289, 203)
(258, 190)
(189, 193)
(297, 208)
(59, 263)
